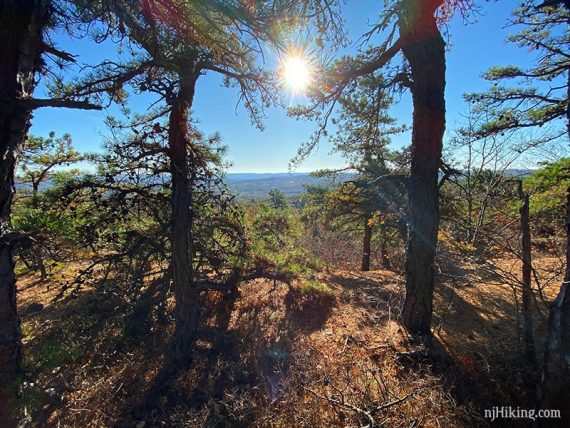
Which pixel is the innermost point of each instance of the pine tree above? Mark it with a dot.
(176, 43)
(423, 72)
(363, 133)
(25, 55)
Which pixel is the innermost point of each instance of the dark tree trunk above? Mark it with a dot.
(186, 296)
(35, 190)
(555, 386)
(402, 226)
(366, 246)
(384, 253)
(425, 54)
(21, 26)
(528, 329)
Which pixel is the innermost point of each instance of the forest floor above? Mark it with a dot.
(279, 355)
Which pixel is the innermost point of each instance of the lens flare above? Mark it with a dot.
(296, 73)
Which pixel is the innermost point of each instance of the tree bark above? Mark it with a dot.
(21, 26)
(186, 295)
(555, 385)
(35, 190)
(384, 252)
(366, 246)
(402, 226)
(426, 57)
(528, 329)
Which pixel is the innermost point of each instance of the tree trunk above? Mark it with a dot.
(35, 190)
(426, 57)
(555, 385)
(528, 329)
(366, 246)
(469, 225)
(480, 221)
(384, 252)
(21, 26)
(402, 226)
(186, 311)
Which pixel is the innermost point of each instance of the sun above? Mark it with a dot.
(296, 73)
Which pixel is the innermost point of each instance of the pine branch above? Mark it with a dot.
(34, 103)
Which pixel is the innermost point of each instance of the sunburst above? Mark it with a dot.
(296, 72)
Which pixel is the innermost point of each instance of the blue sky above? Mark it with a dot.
(474, 48)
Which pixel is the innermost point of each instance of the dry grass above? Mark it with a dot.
(276, 356)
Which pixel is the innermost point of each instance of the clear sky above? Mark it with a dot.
(474, 47)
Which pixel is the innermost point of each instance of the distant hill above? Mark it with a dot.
(246, 185)
(518, 173)
(250, 185)
(256, 186)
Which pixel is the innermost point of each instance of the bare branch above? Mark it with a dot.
(34, 103)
